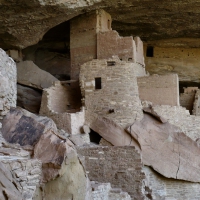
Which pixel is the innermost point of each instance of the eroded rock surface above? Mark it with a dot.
(31, 75)
(25, 128)
(167, 149)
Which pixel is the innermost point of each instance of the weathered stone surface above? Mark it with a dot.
(8, 83)
(168, 150)
(31, 75)
(176, 58)
(165, 188)
(25, 128)
(8, 188)
(120, 166)
(112, 133)
(28, 98)
(150, 22)
(61, 168)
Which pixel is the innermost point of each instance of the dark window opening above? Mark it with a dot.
(149, 52)
(111, 63)
(111, 111)
(130, 59)
(94, 137)
(97, 83)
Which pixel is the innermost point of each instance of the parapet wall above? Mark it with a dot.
(8, 83)
(160, 90)
(109, 88)
(120, 166)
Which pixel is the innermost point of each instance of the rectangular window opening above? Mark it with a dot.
(98, 83)
(149, 52)
(111, 63)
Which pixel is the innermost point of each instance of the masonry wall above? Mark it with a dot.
(118, 98)
(172, 59)
(170, 189)
(181, 117)
(196, 104)
(160, 90)
(83, 38)
(120, 166)
(8, 83)
(60, 103)
(111, 44)
(187, 98)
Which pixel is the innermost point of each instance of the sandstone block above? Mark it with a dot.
(31, 75)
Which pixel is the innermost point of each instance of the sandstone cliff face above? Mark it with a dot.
(24, 23)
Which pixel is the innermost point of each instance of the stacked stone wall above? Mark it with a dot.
(8, 83)
(118, 98)
(120, 166)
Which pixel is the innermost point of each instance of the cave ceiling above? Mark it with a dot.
(24, 22)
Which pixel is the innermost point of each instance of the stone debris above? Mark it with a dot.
(31, 75)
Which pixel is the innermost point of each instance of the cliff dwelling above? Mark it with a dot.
(100, 100)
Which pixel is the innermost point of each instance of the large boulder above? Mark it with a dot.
(113, 133)
(29, 98)
(22, 127)
(63, 173)
(31, 75)
(167, 149)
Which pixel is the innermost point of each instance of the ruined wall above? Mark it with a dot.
(61, 103)
(111, 44)
(187, 98)
(163, 188)
(83, 38)
(118, 98)
(160, 90)
(196, 104)
(8, 83)
(181, 117)
(27, 172)
(172, 59)
(120, 166)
